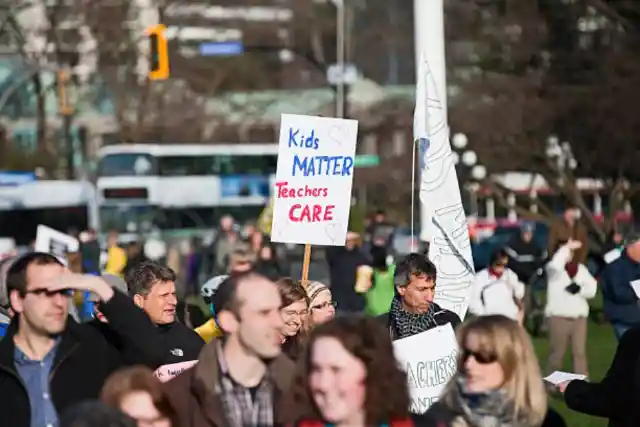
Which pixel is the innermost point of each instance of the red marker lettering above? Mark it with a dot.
(311, 213)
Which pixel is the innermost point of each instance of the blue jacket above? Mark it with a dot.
(621, 304)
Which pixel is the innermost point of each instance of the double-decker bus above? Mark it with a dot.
(170, 187)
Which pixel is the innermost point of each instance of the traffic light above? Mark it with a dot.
(159, 61)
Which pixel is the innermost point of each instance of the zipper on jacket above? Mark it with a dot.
(65, 357)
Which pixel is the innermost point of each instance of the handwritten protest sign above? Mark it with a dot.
(55, 242)
(430, 360)
(166, 372)
(312, 194)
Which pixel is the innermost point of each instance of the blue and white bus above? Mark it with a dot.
(145, 187)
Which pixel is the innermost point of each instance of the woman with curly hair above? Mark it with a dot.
(498, 381)
(294, 312)
(348, 377)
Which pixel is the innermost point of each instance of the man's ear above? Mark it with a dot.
(138, 300)
(401, 290)
(227, 321)
(16, 302)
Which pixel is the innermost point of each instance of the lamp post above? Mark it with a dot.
(469, 159)
(561, 154)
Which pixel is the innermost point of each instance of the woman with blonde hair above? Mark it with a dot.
(498, 382)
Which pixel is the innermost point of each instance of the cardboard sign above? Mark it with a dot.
(430, 360)
(166, 372)
(54, 242)
(312, 194)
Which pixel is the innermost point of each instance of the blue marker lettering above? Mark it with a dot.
(347, 165)
(292, 137)
(301, 166)
(312, 141)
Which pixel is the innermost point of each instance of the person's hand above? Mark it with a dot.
(563, 386)
(574, 244)
(81, 282)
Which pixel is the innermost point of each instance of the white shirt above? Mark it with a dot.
(492, 295)
(560, 303)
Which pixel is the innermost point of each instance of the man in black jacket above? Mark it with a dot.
(413, 310)
(153, 289)
(149, 352)
(615, 397)
(48, 362)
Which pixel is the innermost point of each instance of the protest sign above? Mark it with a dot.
(166, 372)
(54, 242)
(430, 360)
(312, 194)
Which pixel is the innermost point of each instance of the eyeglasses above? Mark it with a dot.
(291, 313)
(480, 357)
(324, 305)
(49, 294)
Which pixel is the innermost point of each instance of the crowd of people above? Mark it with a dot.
(276, 351)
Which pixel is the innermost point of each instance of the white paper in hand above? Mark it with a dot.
(635, 284)
(612, 255)
(559, 377)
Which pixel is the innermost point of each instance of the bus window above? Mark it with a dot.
(127, 164)
(245, 165)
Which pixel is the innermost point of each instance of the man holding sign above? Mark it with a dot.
(413, 310)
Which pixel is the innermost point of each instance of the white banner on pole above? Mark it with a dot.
(444, 223)
(430, 360)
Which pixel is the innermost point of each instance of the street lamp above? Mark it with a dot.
(560, 153)
(460, 141)
(479, 172)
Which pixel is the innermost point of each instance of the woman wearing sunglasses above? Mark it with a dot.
(498, 381)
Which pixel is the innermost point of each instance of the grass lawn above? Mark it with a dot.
(601, 346)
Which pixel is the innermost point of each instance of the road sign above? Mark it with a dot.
(228, 48)
(366, 160)
(347, 75)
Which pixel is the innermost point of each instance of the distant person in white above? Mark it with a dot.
(497, 290)
(569, 286)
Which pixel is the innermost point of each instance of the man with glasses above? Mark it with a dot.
(48, 362)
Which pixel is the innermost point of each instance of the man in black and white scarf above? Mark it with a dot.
(413, 310)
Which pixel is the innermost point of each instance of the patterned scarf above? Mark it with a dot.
(490, 409)
(406, 324)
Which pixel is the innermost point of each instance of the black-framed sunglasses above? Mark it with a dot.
(479, 356)
(324, 305)
(49, 294)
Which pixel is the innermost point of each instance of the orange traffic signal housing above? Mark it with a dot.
(159, 61)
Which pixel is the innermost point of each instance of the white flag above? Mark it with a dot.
(446, 227)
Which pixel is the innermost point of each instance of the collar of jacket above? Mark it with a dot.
(69, 340)
(206, 381)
